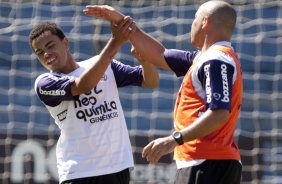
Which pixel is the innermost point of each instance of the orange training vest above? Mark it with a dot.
(218, 145)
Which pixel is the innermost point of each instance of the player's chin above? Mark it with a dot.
(48, 67)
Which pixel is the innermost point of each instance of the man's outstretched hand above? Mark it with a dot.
(104, 12)
(124, 29)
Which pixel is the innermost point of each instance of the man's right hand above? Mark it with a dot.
(124, 29)
(104, 12)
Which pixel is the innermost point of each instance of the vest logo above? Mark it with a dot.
(224, 83)
(208, 83)
(216, 96)
(52, 92)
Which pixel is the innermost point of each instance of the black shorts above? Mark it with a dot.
(211, 172)
(121, 177)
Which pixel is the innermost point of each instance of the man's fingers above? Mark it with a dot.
(126, 24)
(151, 153)
(147, 149)
(97, 11)
(152, 156)
(126, 27)
(123, 24)
(93, 12)
(132, 27)
(104, 11)
(157, 158)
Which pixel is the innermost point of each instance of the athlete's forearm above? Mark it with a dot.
(150, 76)
(150, 48)
(207, 123)
(90, 78)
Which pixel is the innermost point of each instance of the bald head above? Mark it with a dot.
(221, 13)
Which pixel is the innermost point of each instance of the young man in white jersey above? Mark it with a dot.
(82, 97)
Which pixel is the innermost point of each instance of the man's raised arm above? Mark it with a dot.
(150, 48)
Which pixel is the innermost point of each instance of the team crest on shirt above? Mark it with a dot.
(104, 78)
(216, 96)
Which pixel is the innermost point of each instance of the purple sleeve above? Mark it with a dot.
(179, 61)
(216, 77)
(52, 89)
(127, 75)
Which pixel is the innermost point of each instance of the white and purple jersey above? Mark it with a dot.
(210, 79)
(94, 138)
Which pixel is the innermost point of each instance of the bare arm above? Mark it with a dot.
(90, 78)
(150, 74)
(150, 49)
(209, 122)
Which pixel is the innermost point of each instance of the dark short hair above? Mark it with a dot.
(40, 28)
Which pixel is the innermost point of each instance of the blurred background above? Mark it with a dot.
(28, 135)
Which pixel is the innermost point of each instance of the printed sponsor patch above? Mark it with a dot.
(63, 115)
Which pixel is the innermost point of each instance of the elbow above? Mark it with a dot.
(153, 85)
(156, 83)
(224, 116)
(81, 90)
(219, 116)
(151, 78)
(153, 82)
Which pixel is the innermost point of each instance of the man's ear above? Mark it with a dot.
(66, 42)
(205, 22)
